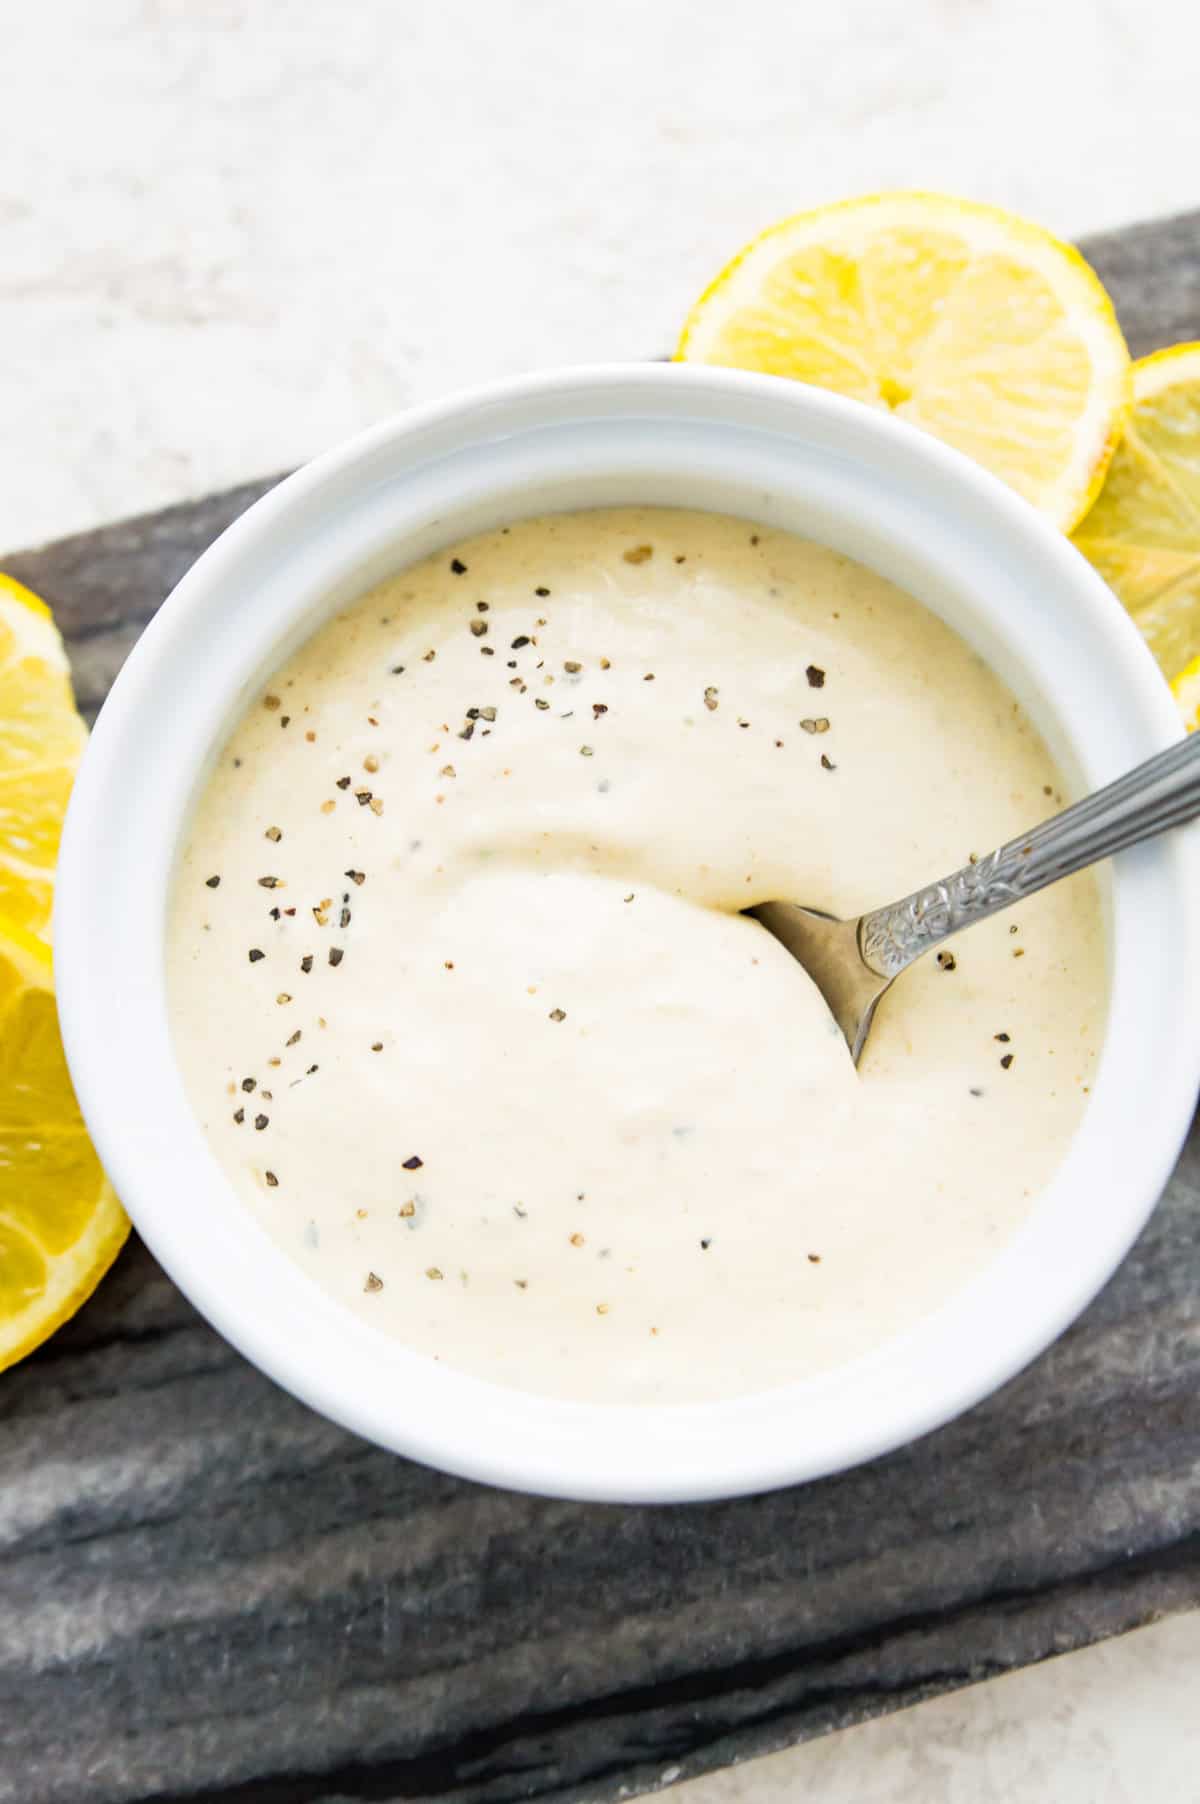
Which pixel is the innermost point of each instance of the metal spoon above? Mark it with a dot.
(853, 963)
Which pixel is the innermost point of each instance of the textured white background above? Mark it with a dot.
(232, 233)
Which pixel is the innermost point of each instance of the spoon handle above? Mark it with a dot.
(1163, 792)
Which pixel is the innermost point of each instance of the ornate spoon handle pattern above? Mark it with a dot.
(1164, 792)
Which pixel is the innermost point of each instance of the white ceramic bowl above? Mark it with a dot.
(772, 451)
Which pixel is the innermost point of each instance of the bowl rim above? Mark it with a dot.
(111, 991)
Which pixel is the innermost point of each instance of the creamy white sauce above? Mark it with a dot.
(647, 1169)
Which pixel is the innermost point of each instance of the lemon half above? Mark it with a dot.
(41, 742)
(967, 321)
(61, 1226)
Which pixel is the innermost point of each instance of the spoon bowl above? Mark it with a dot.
(853, 963)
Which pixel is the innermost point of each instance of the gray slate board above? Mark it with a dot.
(209, 1593)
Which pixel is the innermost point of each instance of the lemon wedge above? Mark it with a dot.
(965, 320)
(1143, 534)
(61, 1226)
(41, 743)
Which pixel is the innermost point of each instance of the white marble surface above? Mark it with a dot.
(1108, 1725)
(232, 233)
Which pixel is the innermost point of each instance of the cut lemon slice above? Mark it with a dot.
(41, 742)
(1186, 690)
(61, 1226)
(965, 320)
(1143, 535)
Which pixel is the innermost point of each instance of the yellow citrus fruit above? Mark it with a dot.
(61, 1226)
(1143, 534)
(1186, 690)
(41, 742)
(963, 319)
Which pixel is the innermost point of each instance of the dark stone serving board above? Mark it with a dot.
(209, 1593)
